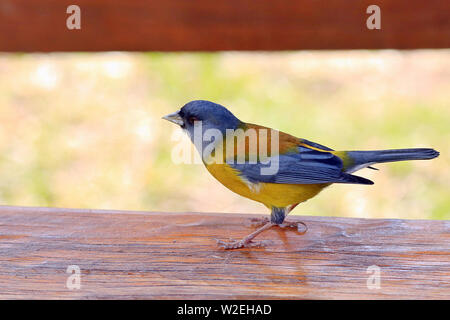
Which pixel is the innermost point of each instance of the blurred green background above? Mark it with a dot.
(84, 130)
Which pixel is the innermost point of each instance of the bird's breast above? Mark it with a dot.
(231, 179)
(270, 194)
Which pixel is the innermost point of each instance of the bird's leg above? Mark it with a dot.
(247, 241)
(299, 226)
(295, 225)
(256, 222)
(276, 218)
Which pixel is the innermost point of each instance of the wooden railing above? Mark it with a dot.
(174, 255)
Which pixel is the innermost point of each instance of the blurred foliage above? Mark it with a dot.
(85, 130)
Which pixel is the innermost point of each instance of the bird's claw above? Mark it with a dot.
(300, 226)
(237, 244)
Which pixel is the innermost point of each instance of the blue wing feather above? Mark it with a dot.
(308, 166)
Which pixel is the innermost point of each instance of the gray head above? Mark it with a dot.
(209, 114)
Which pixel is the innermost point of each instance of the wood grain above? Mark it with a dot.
(204, 25)
(129, 255)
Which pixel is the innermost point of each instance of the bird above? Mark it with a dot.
(272, 167)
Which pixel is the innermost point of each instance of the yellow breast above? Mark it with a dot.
(270, 194)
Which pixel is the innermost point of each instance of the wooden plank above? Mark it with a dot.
(174, 255)
(174, 25)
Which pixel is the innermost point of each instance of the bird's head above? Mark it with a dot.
(205, 115)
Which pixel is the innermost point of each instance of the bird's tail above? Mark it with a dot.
(361, 159)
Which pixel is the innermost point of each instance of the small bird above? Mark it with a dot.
(270, 166)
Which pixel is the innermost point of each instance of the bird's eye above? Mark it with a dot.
(192, 119)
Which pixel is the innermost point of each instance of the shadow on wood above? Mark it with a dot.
(174, 255)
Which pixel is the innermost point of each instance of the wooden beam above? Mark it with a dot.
(180, 25)
(174, 255)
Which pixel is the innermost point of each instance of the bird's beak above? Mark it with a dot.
(175, 118)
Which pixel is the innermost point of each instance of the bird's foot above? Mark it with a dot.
(237, 244)
(299, 226)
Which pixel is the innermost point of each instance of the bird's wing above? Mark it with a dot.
(307, 164)
(307, 143)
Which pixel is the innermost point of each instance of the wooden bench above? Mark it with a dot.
(128, 255)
